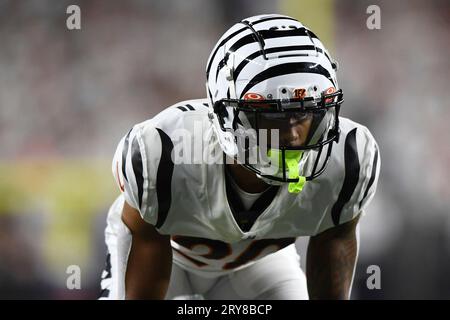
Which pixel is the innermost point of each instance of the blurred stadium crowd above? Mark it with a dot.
(67, 97)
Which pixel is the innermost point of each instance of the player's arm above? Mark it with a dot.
(331, 262)
(150, 259)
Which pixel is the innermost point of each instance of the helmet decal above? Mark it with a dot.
(300, 93)
(253, 96)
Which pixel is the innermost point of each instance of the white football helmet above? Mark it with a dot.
(265, 73)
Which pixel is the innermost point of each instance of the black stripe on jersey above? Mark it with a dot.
(287, 68)
(124, 154)
(136, 161)
(164, 178)
(351, 176)
(208, 69)
(108, 266)
(372, 176)
(186, 107)
(256, 54)
(105, 292)
(255, 248)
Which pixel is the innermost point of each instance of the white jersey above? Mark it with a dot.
(196, 206)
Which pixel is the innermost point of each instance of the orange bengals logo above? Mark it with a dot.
(300, 93)
(330, 90)
(253, 96)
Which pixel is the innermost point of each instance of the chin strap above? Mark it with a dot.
(291, 160)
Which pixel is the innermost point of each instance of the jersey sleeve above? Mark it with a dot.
(361, 167)
(135, 166)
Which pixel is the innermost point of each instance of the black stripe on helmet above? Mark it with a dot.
(287, 68)
(351, 176)
(269, 34)
(326, 55)
(208, 68)
(256, 54)
(265, 34)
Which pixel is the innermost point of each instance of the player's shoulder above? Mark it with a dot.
(353, 171)
(356, 148)
(169, 121)
(176, 115)
(143, 160)
(352, 130)
(355, 153)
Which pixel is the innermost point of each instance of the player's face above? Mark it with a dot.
(293, 127)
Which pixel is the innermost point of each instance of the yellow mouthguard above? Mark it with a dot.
(291, 159)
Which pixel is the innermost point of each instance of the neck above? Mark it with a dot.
(246, 180)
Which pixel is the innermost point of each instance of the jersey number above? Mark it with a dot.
(219, 249)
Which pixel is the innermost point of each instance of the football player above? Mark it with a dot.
(285, 165)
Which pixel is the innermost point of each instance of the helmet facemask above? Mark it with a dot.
(282, 140)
